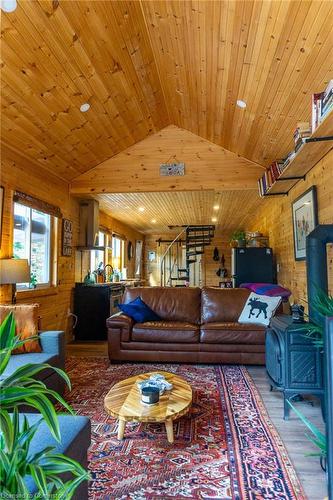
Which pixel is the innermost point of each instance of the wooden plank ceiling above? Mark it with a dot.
(143, 65)
(162, 209)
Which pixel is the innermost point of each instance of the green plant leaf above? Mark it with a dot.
(31, 369)
(44, 405)
(7, 430)
(319, 438)
(39, 477)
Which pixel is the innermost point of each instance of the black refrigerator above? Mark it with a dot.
(252, 265)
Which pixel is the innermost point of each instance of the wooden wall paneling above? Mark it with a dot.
(274, 218)
(136, 169)
(19, 174)
(53, 307)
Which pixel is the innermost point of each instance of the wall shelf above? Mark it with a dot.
(309, 154)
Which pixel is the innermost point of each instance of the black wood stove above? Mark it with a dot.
(293, 363)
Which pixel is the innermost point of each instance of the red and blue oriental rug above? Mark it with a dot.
(225, 448)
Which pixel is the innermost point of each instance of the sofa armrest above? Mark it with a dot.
(120, 321)
(53, 342)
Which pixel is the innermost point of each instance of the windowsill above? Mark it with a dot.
(37, 292)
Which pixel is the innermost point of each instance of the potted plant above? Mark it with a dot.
(323, 303)
(239, 238)
(45, 467)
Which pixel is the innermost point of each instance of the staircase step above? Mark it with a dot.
(202, 237)
(188, 254)
(200, 228)
(182, 270)
(191, 261)
(185, 278)
(198, 244)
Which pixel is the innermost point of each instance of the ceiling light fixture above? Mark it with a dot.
(216, 207)
(141, 209)
(214, 219)
(153, 221)
(241, 104)
(85, 107)
(8, 5)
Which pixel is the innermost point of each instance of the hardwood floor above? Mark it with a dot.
(292, 431)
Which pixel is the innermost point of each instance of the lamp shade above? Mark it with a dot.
(14, 271)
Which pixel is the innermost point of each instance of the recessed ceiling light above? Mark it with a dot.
(141, 209)
(216, 207)
(8, 5)
(153, 221)
(214, 219)
(241, 104)
(84, 107)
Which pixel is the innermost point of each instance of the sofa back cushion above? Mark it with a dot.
(222, 304)
(173, 304)
(26, 321)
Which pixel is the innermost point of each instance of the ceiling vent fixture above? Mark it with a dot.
(172, 169)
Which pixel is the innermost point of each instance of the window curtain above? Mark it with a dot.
(35, 203)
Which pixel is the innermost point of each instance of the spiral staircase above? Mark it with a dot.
(177, 262)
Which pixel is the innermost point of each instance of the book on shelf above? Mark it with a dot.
(322, 104)
(327, 101)
(316, 109)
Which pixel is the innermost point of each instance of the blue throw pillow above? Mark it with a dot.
(139, 311)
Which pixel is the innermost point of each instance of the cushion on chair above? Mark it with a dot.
(139, 311)
(26, 319)
(165, 331)
(232, 333)
(19, 360)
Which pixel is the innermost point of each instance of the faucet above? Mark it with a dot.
(107, 265)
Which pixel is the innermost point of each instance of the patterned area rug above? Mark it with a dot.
(225, 448)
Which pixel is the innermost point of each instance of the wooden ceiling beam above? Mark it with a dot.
(207, 166)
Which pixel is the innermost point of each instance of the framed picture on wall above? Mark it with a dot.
(305, 219)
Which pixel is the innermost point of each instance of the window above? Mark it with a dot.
(117, 253)
(32, 241)
(98, 256)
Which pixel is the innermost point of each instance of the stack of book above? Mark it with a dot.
(272, 173)
(302, 131)
(322, 103)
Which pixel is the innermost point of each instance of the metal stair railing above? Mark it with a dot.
(162, 263)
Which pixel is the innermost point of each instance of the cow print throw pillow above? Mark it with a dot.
(259, 309)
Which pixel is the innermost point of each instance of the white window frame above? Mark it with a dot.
(50, 250)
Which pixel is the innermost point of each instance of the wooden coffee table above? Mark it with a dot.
(123, 401)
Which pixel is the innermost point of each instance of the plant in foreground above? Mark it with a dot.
(16, 434)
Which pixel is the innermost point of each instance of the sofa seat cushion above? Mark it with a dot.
(232, 333)
(19, 360)
(165, 331)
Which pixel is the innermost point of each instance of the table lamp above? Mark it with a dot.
(14, 271)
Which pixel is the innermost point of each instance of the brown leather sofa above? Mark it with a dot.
(198, 326)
